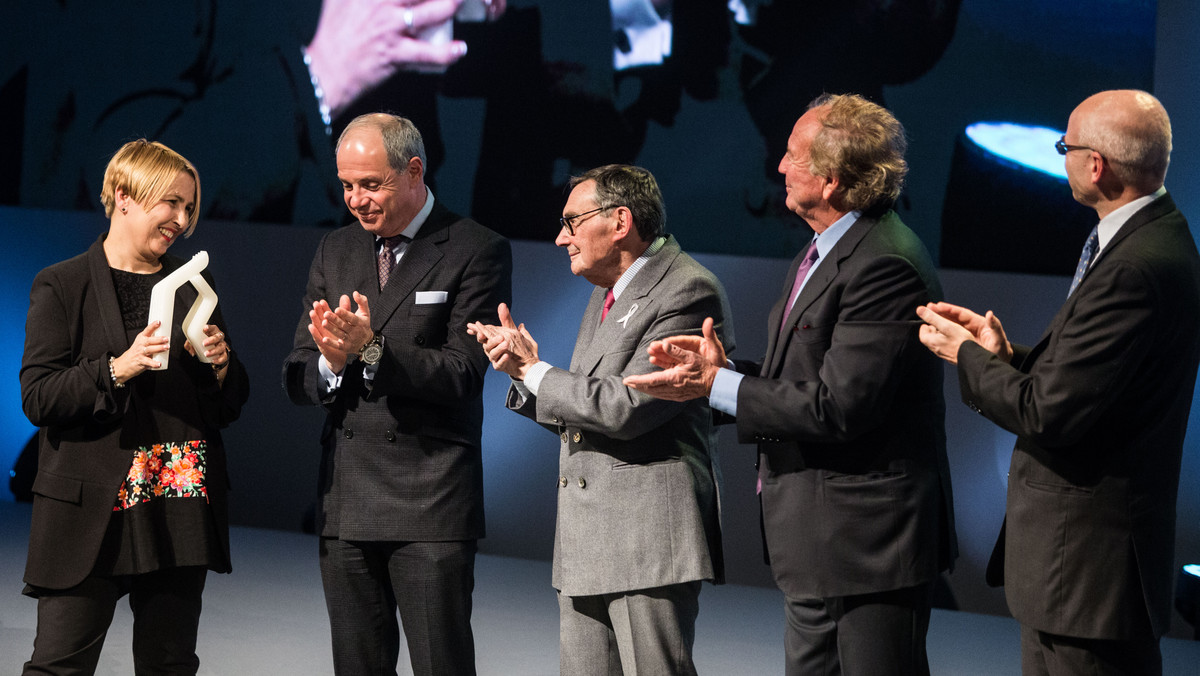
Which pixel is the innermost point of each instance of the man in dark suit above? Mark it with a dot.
(1099, 406)
(637, 526)
(846, 409)
(401, 485)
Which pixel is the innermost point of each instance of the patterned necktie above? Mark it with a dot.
(609, 299)
(1085, 258)
(801, 272)
(387, 258)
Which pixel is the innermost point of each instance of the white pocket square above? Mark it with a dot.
(431, 297)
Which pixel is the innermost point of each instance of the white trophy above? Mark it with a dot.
(162, 306)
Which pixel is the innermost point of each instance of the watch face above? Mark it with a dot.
(372, 352)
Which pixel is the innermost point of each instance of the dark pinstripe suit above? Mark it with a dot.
(401, 458)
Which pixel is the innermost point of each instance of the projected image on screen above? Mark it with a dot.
(513, 96)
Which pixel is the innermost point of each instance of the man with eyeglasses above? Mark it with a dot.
(1099, 406)
(637, 528)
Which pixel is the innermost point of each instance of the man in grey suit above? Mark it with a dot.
(1099, 405)
(383, 348)
(846, 408)
(638, 527)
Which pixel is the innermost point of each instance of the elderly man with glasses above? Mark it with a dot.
(637, 528)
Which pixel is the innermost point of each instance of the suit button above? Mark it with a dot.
(577, 439)
(419, 340)
(348, 433)
(563, 436)
(582, 482)
(390, 435)
(562, 481)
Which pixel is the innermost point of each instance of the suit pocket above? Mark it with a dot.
(804, 332)
(427, 309)
(1059, 489)
(618, 358)
(58, 488)
(866, 478)
(618, 466)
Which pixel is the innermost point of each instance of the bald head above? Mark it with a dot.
(1130, 128)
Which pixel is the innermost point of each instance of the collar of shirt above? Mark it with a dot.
(638, 264)
(413, 227)
(1108, 226)
(828, 239)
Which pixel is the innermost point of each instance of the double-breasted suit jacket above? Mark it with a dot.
(89, 434)
(848, 414)
(401, 457)
(638, 477)
(1099, 406)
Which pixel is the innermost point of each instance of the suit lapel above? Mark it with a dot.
(106, 294)
(818, 281)
(422, 255)
(587, 327)
(634, 299)
(1157, 209)
(776, 314)
(1151, 212)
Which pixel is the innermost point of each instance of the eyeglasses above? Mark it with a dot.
(1061, 146)
(569, 222)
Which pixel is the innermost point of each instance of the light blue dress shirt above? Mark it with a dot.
(723, 396)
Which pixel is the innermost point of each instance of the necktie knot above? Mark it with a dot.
(387, 259)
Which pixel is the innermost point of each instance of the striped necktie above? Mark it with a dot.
(1085, 259)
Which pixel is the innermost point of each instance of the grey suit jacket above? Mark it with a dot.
(848, 415)
(638, 484)
(401, 453)
(1100, 406)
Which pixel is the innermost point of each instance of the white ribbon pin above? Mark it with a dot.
(629, 314)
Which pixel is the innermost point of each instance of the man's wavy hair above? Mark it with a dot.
(863, 145)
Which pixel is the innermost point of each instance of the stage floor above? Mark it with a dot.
(268, 618)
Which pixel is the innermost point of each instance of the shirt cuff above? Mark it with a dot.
(723, 396)
(523, 393)
(533, 377)
(332, 380)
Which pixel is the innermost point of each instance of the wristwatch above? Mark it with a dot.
(372, 352)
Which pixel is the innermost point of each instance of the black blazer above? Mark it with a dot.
(86, 445)
(848, 415)
(1100, 407)
(401, 454)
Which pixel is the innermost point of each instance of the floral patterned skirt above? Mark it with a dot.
(167, 470)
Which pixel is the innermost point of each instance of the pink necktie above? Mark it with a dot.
(801, 273)
(609, 299)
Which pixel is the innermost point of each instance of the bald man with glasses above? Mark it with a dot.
(1099, 406)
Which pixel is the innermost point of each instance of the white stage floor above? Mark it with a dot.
(268, 618)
